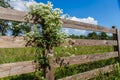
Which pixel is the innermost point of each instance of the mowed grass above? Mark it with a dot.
(24, 54)
(81, 50)
(8, 55)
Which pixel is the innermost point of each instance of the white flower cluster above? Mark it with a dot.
(50, 22)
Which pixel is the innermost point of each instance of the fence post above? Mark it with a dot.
(118, 40)
(50, 73)
(117, 37)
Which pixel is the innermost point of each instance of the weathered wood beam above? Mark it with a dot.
(80, 59)
(86, 26)
(17, 42)
(91, 74)
(12, 42)
(10, 14)
(88, 42)
(11, 69)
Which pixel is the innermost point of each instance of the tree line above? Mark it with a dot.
(92, 35)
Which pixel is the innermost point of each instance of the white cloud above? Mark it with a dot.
(89, 20)
(21, 5)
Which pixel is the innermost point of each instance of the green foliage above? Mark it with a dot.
(4, 3)
(3, 27)
(26, 27)
(78, 50)
(103, 35)
(9, 55)
(114, 75)
(46, 34)
(16, 29)
(4, 24)
(93, 35)
(20, 29)
(75, 69)
(77, 36)
(29, 76)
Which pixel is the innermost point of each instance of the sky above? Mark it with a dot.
(106, 12)
(99, 12)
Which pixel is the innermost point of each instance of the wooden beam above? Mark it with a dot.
(80, 59)
(14, 15)
(10, 14)
(18, 42)
(86, 26)
(11, 69)
(91, 74)
(88, 42)
(11, 42)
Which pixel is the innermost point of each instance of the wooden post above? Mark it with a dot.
(118, 40)
(115, 37)
(50, 73)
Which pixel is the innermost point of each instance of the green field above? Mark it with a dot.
(8, 55)
(24, 54)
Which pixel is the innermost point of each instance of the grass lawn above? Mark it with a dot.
(8, 55)
(24, 54)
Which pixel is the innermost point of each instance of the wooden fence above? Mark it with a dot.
(11, 69)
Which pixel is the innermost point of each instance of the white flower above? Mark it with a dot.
(73, 55)
(65, 46)
(50, 55)
(75, 48)
(70, 46)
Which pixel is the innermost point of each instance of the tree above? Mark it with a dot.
(3, 27)
(92, 35)
(73, 36)
(19, 29)
(16, 29)
(103, 35)
(26, 27)
(4, 24)
(77, 36)
(4, 3)
(83, 37)
(46, 34)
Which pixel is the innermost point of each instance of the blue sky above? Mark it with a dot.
(106, 12)
(100, 12)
